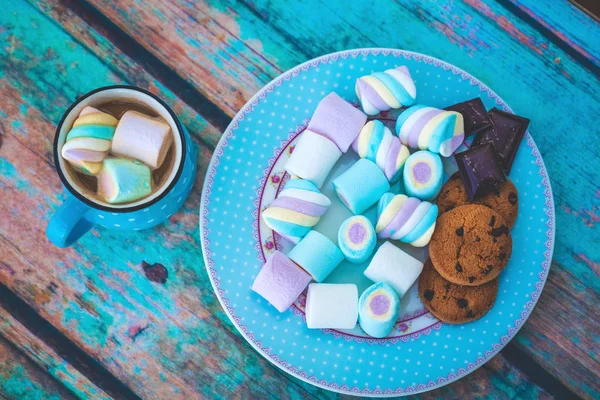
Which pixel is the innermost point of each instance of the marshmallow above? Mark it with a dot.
(361, 185)
(378, 309)
(394, 267)
(357, 239)
(377, 143)
(382, 91)
(333, 306)
(406, 219)
(280, 281)
(432, 129)
(337, 120)
(296, 210)
(123, 181)
(313, 157)
(317, 255)
(143, 138)
(88, 141)
(423, 175)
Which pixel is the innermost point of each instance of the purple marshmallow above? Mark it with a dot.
(338, 121)
(280, 281)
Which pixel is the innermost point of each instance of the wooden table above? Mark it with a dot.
(87, 322)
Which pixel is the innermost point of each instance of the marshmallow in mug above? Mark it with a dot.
(142, 138)
(333, 306)
(394, 267)
(313, 158)
(122, 180)
(88, 141)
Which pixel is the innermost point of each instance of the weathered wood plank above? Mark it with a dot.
(47, 359)
(21, 379)
(570, 24)
(469, 34)
(133, 326)
(112, 311)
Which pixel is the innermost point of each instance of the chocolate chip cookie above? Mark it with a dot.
(471, 245)
(503, 200)
(451, 303)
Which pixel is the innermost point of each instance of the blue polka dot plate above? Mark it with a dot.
(247, 172)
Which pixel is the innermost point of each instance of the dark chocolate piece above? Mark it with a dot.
(474, 114)
(480, 170)
(506, 133)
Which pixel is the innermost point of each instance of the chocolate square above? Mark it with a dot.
(480, 170)
(506, 133)
(474, 114)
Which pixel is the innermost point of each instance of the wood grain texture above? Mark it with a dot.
(478, 36)
(174, 339)
(575, 28)
(21, 379)
(161, 340)
(47, 359)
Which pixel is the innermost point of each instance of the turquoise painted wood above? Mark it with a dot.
(49, 363)
(174, 340)
(22, 379)
(574, 27)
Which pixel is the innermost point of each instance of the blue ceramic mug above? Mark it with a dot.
(81, 211)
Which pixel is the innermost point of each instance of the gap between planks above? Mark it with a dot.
(153, 65)
(182, 88)
(26, 329)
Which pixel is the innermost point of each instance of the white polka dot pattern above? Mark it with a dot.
(244, 172)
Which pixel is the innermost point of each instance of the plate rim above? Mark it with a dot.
(247, 107)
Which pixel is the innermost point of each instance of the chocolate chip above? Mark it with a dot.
(477, 239)
(458, 267)
(502, 256)
(155, 272)
(462, 303)
(512, 198)
(471, 279)
(493, 220)
(497, 193)
(460, 231)
(487, 269)
(447, 286)
(470, 314)
(494, 240)
(428, 294)
(501, 230)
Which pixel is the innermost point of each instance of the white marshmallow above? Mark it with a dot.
(394, 267)
(313, 158)
(143, 138)
(333, 306)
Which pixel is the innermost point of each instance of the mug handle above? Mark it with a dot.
(68, 224)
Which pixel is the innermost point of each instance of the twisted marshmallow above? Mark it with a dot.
(432, 129)
(376, 143)
(406, 219)
(382, 91)
(88, 141)
(296, 210)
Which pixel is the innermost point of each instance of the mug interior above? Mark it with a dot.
(132, 96)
